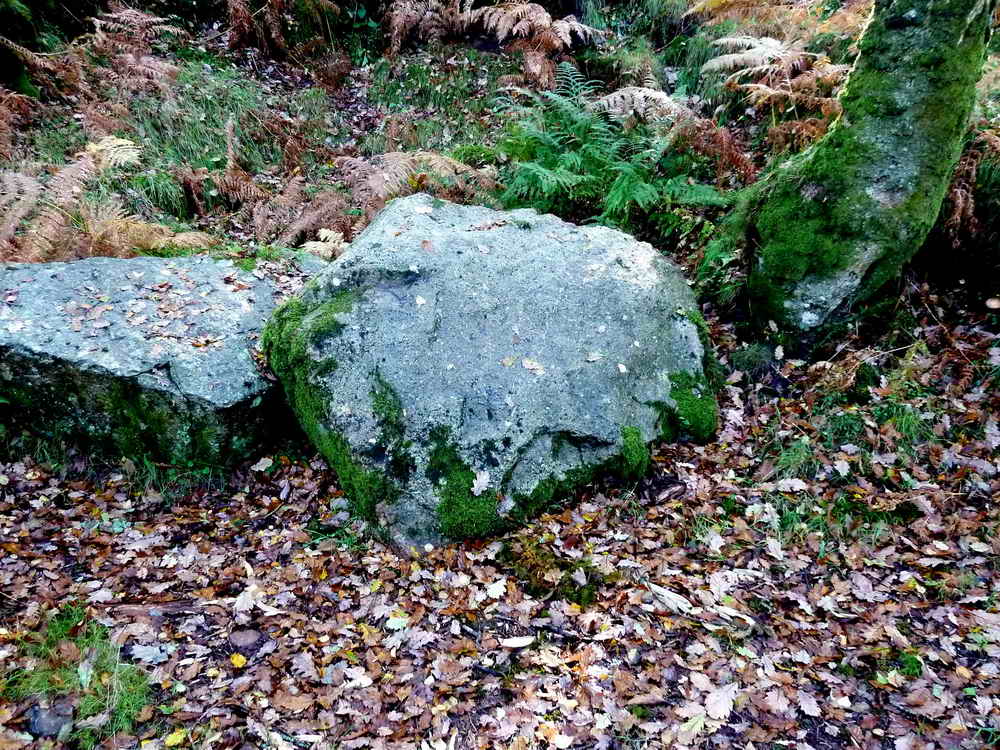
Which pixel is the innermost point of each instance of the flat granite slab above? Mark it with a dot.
(142, 357)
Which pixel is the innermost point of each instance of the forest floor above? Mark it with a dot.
(825, 573)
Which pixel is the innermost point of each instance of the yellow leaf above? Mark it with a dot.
(175, 738)
(238, 660)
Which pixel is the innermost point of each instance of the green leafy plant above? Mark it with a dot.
(574, 160)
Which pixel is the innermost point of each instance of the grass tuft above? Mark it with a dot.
(75, 657)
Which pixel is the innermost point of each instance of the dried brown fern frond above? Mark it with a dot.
(795, 135)
(509, 21)
(760, 95)
(403, 17)
(58, 73)
(126, 36)
(539, 68)
(261, 28)
(290, 134)
(716, 8)
(327, 210)
(127, 31)
(400, 132)
(762, 59)
(111, 151)
(190, 241)
(375, 181)
(102, 117)
(426, 21)
(242, 28)
(704, 137)
(192, 182)
(236, 183)
(51, 233)
(851, 19)
(779, 75)
(531, 30)
(238, 186)
(272, 23)
(273, 216)
(146, 73)
(784, 18)
(108, 230)
(19, 195)
(33, 61)
(15, 110)
(331, 70)
(961, 201)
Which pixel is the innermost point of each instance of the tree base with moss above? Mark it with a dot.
(826, 230)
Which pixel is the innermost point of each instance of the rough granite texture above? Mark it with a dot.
(147, 357)
(461, 368)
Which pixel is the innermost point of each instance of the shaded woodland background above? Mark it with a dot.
(824, 573)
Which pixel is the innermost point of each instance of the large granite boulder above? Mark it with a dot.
(147, 357)
(461, 367)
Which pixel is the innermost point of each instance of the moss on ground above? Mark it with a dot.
(695, 407)
(548, 575)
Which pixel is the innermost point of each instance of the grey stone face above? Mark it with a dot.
(147, 356)
(55, 720)
(512, 345)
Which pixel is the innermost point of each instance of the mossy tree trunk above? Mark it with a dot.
(829, 227)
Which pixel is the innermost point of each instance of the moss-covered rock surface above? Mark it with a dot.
(147, 358)
(462, 369)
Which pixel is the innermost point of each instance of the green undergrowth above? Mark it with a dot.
(792, 518)
(695, 411)
(187, 130)
(74, 657)
(568, 159)
(439, 99)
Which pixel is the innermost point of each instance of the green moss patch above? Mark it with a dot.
(695, 408)
(462, 514)
(635, 453)
(546, 574)
(291, 342)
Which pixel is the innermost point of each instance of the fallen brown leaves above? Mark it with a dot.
(744, 613)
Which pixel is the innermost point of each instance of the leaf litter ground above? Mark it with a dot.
(824, 574)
